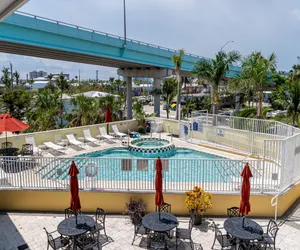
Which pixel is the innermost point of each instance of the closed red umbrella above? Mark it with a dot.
(159, 199)
(74, 189)
(108, 116)
(245, 199)
(10, 124)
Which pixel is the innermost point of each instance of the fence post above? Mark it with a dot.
(264, 165)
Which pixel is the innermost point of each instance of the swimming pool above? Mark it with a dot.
(119, 165)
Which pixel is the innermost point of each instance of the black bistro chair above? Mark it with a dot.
(233, 212)
(139, 229)
(269, 238)
(166, 207)
(6, 144)
(100, 221)
(27, 149)
(186, 234)
(68, 213)
(88, 241)
(56, 243)
(157, 240)
(224, 240)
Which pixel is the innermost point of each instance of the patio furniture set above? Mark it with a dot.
(7, 149)
(78, 231)
(244, 233)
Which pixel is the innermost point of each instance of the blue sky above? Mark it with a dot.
(198, 26)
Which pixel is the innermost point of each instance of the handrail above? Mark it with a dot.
(106, 34)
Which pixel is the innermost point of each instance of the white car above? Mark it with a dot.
(151, 103)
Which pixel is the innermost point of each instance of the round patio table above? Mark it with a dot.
(250, 231)
(8, 151)
(69, 228)
(166, 222)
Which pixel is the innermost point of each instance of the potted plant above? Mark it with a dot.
(198, 202)
(133, 206)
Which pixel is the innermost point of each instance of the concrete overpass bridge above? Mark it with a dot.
(30, 35)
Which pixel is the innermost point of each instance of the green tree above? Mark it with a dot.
(84, 111)
(17, 77)
(63, 85)
(294, 105)
(188, 108)
(5, 79)
(279, 97)
(44, 114)
(50, 85)
(214, 71)
(169, 91)
(294, 74)
(17, 103)
(177, 60)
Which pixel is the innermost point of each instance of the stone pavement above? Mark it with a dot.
(17, 229)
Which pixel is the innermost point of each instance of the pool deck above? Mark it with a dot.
(17, 229)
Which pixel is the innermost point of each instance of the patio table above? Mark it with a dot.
(8, 151)
(166, 222)
(69, 228)
(251, 230)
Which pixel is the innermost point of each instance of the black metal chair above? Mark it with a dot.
(89, 241)
(186, 234)
(100, 221)
(269, 238)
(139, 229)
(56, 243)
(233, 212)
(68, 213)
(224, 240)
(252, 245)
(6, 144)
(157, 240)
(27, 149)
(166, 207)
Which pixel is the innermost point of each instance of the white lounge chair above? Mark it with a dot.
(117, 132)
(73, 140)
(30, 140)
(88, 136)
(54, 146)
(103, 134)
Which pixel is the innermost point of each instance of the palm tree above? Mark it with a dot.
(294, 105)
(84, 111)
(294, 74)
(5, 79)
(50, 84)
(214, 71)
(63, 85)
(17, 77)
(177, 60)
(169, 91)
(256, 71)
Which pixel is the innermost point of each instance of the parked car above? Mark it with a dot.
(151, 103)
(275, 113)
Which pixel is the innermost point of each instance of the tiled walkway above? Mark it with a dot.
(18, 229)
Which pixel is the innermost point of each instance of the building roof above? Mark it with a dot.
(95, 94)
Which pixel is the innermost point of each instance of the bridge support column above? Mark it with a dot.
(129, 97)
(157, 89)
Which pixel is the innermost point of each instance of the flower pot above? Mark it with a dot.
(197, 218)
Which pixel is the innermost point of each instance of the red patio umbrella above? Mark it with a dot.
(10, 124)
(74, 189)
(245, 199)
(108, 116)
(159, 199)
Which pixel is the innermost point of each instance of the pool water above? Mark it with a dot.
(186, 165)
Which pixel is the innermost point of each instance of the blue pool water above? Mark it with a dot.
(185, 165)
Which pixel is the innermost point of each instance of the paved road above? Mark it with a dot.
(163, 113)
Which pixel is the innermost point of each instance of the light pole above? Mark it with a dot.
(124, 8)
(226, 44)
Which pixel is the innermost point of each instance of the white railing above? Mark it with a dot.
(116, 174)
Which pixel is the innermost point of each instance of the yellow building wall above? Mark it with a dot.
(114, 202)
(43, 136)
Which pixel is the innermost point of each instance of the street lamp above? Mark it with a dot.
(226, 44)
(124, 8)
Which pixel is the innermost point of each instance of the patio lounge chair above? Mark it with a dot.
(30, 140)
(54, 146)
(103, 134)
(74, 141)
(117, 132)
(88, 136)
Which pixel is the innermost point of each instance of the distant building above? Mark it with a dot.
(35, 74)
(67, 76)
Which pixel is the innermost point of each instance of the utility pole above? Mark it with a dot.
(96, 76)
(79, 78)
(11, 75)
(124, 7)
